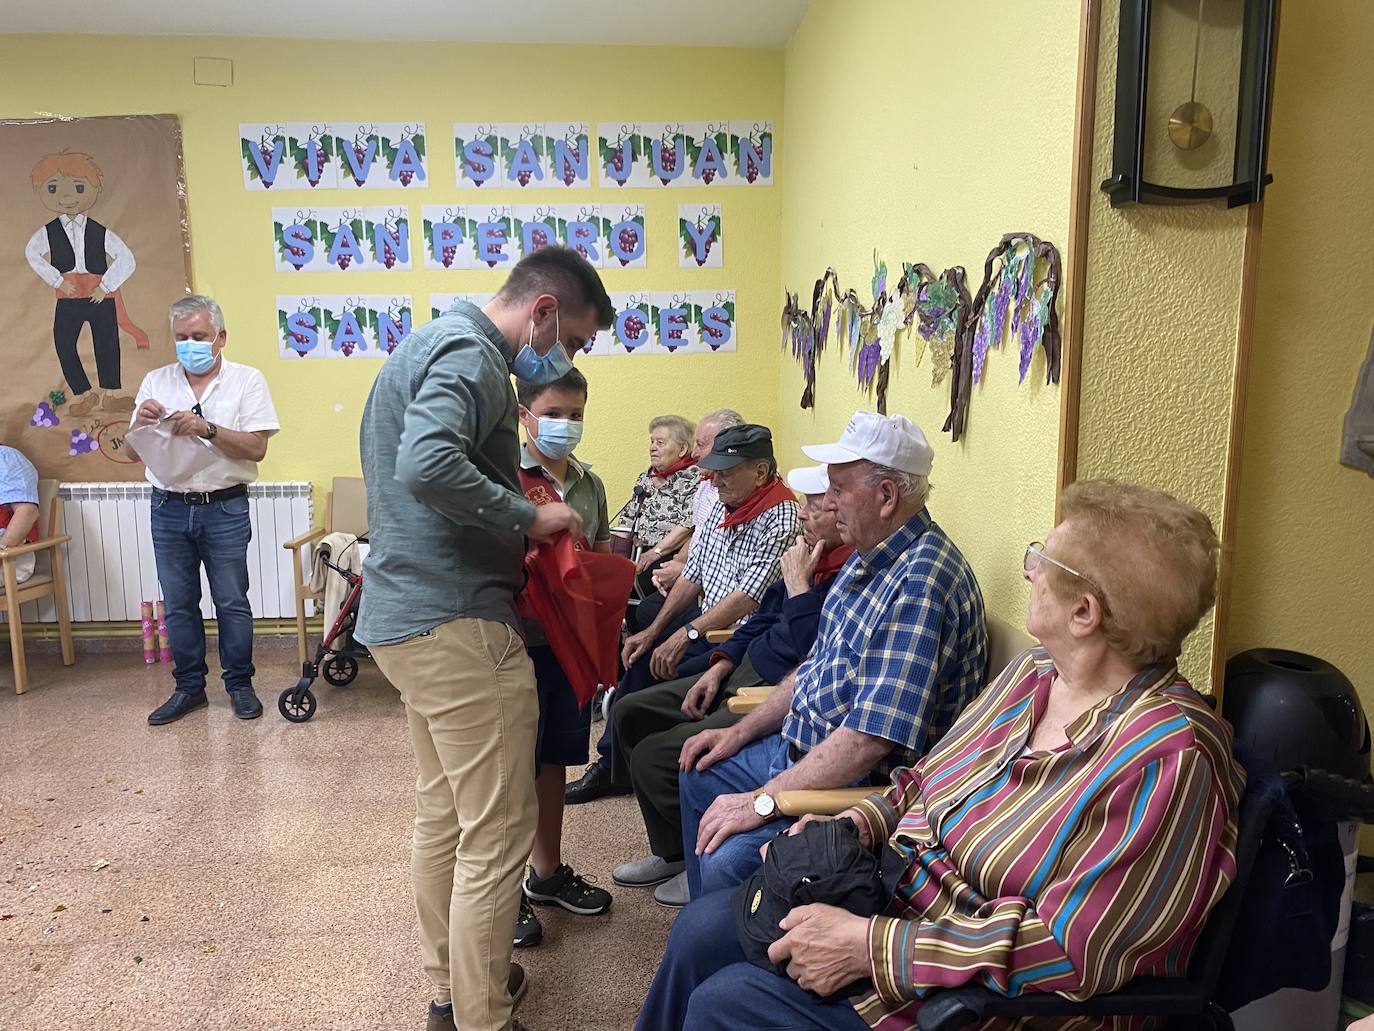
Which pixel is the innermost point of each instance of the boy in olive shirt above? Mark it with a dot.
(551, 416)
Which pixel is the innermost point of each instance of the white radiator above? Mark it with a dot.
(110, 566)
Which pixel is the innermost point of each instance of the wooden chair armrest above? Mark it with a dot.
(742, 704)
(827, 802)
(296, 543)
(761, 691)
(28, 549)
(719, 636)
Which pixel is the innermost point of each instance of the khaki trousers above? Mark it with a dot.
(468, 688)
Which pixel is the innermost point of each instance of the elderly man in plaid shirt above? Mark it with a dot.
(901, 649)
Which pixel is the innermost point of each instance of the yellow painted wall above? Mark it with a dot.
(1160, 317)
(439, 83)
(927, 130)
(1303, 575)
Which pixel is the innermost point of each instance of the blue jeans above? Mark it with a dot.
(215, 535)
(746, 771)
(705, 984)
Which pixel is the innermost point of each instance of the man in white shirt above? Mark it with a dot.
(85, 264)
(203, 519)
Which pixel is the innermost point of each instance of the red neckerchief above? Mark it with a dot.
(7, 513)
(685, 462)
(830, 563)
(540, 491)
(770, 495)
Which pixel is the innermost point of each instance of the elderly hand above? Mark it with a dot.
(825, 948)
(187, 424)
(799, 566)
(699, 698)
(729, 815)
(635, 646)
(667, 655)
(702, 751)
(149, 412)
(666, 575)
(852, 815)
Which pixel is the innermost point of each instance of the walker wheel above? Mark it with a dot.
(296, 710)
(340, 670)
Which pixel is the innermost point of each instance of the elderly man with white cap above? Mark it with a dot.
(901, 650)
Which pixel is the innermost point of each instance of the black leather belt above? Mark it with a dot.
(794, 753)
(203, 497)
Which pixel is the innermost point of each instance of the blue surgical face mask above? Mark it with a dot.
(541, 369)
(557, 438)
(196, 356)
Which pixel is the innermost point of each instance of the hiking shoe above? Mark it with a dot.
(441, 1017)
(569, 890)
(528, 930)
(646, 872)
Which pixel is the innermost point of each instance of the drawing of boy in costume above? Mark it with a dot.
(86, 264)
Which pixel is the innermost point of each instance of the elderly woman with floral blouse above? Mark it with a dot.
(1070, 833)
(663, 494)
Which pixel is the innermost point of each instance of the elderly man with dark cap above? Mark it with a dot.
(735, 556)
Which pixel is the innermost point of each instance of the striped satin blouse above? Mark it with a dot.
(1071, 870)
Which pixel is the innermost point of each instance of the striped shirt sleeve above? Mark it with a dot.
(1128, 889)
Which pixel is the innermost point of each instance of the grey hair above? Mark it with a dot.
(681, 429)
(723, 418)
(910, 486)
(194, 303)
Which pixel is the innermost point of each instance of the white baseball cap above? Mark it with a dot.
(812, 479)
(891, 440)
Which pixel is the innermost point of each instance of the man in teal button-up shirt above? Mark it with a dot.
(448, 523)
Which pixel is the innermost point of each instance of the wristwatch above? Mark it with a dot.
(657, 551)
(765, 805)
(210, 430)
(693, 634)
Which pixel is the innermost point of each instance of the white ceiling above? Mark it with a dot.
(716, 23)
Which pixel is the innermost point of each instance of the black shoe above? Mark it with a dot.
(441, 1017)
(517, 984)
(567, 889)
(595, 783)
(176, 707)
(528, 930)
(246, 704)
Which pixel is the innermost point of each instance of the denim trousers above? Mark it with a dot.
(216, 535)
(705, 984)
(738, 856)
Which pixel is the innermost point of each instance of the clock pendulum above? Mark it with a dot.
(1190, 126)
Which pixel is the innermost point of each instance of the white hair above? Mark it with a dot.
(910, 486)
(722, 418)
(194, 303)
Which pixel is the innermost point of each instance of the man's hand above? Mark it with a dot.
(66, 288)
(729, 815)
(668, 654)
(551, 520)
(666, 575)
(704, 750)
(825, 948)
(799, 566)
(635, 646)
(98, 295)
(149, 412)
(852, 815)
(187, 424)
(703, 693)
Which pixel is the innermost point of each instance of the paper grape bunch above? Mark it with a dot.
(83, 443)
(266, 153)
(483, 149)
(43, 415)
(569, 169)
(493, 249)
(667, 160)
(313, 169)
(634, 327)
(538, 238)
(629, 241)
(360, 153)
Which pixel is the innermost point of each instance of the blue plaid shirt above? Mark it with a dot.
(902, 647)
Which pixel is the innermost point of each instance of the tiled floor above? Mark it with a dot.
(257, 872)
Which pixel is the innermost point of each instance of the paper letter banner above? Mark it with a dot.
(63, 410)
(476, 155)
(570, 157)
(450, 236)
(632, 332)
(440, 303)
(751, 147)
(700, 238)
(335, 155)
(338, 327)
(341, 239)
(667, 323)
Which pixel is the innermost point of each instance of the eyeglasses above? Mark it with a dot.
(1035, 554)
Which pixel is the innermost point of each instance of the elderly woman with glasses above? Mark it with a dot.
(1068, 834)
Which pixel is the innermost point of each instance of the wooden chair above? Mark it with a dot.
(345, 511)
(50, 584)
